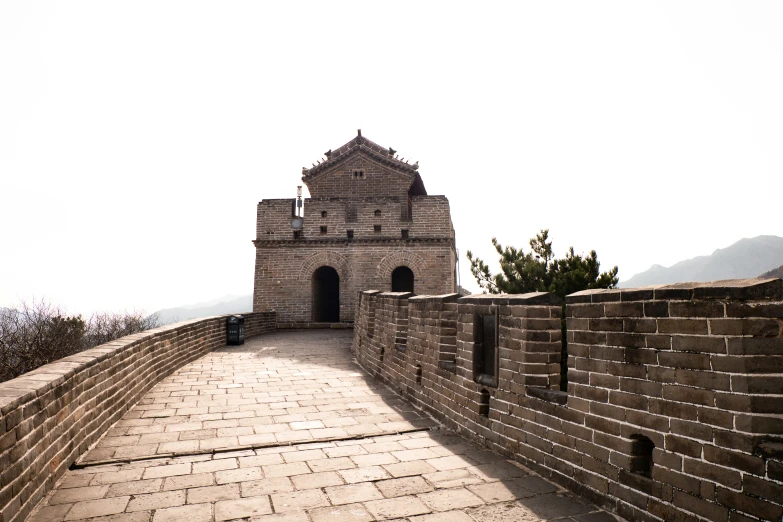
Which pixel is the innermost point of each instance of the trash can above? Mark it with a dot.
(235, 330)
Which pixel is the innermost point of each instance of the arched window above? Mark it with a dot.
(402, 279)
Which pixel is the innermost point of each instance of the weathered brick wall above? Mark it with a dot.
(284, 271)
(391, 333)
(391, 221)
(49, 416)
(691, 373)
(365, 348)
(378, 181)
(430, 218)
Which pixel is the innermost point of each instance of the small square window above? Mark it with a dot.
(404, 232)
(377, 213)
(297, 234)
(350, 234)
(377, 228)
(323, 213)
(323, 230)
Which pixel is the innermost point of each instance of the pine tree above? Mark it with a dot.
(539, 271)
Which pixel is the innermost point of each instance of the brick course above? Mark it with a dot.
(695, 369)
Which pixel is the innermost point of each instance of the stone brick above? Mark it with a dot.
(396, 507)
(682, 326)
(159, 500)
(293, 501)
(641, 387)
(712, 473)
(696, 309)
(97, 508)
(693, 361)
(708, 510)
(733, 459)
(707, 380)
(213, 493)
(624, 309)
(749, 327)
(193, 513)
(747, 504)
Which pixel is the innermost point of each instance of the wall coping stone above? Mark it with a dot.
(435, 298)
(396, 295)
(545, 394)
(735, 289)
(531, 298)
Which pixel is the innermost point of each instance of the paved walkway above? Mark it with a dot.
(287, 428)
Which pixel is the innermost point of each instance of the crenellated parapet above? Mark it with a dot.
(674, 406)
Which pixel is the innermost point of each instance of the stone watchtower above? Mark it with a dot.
(369, 224)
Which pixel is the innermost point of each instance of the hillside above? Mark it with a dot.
(777, 272)
(224, 305)
(747, 257)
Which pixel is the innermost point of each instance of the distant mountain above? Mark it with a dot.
(226, 305)
(747, 257)
(776, 272)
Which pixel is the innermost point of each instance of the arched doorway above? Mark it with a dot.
(402, 279)
(326, 295)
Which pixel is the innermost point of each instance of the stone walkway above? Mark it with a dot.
(287, 428)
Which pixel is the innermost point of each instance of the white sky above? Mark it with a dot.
(137, 137)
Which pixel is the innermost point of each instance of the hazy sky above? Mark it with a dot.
(136, 138)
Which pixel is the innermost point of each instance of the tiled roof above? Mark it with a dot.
(360, 144)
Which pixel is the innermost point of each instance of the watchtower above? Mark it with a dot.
(369, 224)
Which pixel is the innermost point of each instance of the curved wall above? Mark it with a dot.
(49, 416)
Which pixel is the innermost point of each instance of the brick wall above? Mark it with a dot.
(285, 266)
(284, 272)
(690, 375)
(430, 218)
(378, 181)
(49, 416)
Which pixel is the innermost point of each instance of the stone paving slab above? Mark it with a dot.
(259, 395)
(301, 383)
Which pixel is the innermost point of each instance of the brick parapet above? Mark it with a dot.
(51, 415)
(694, 369)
